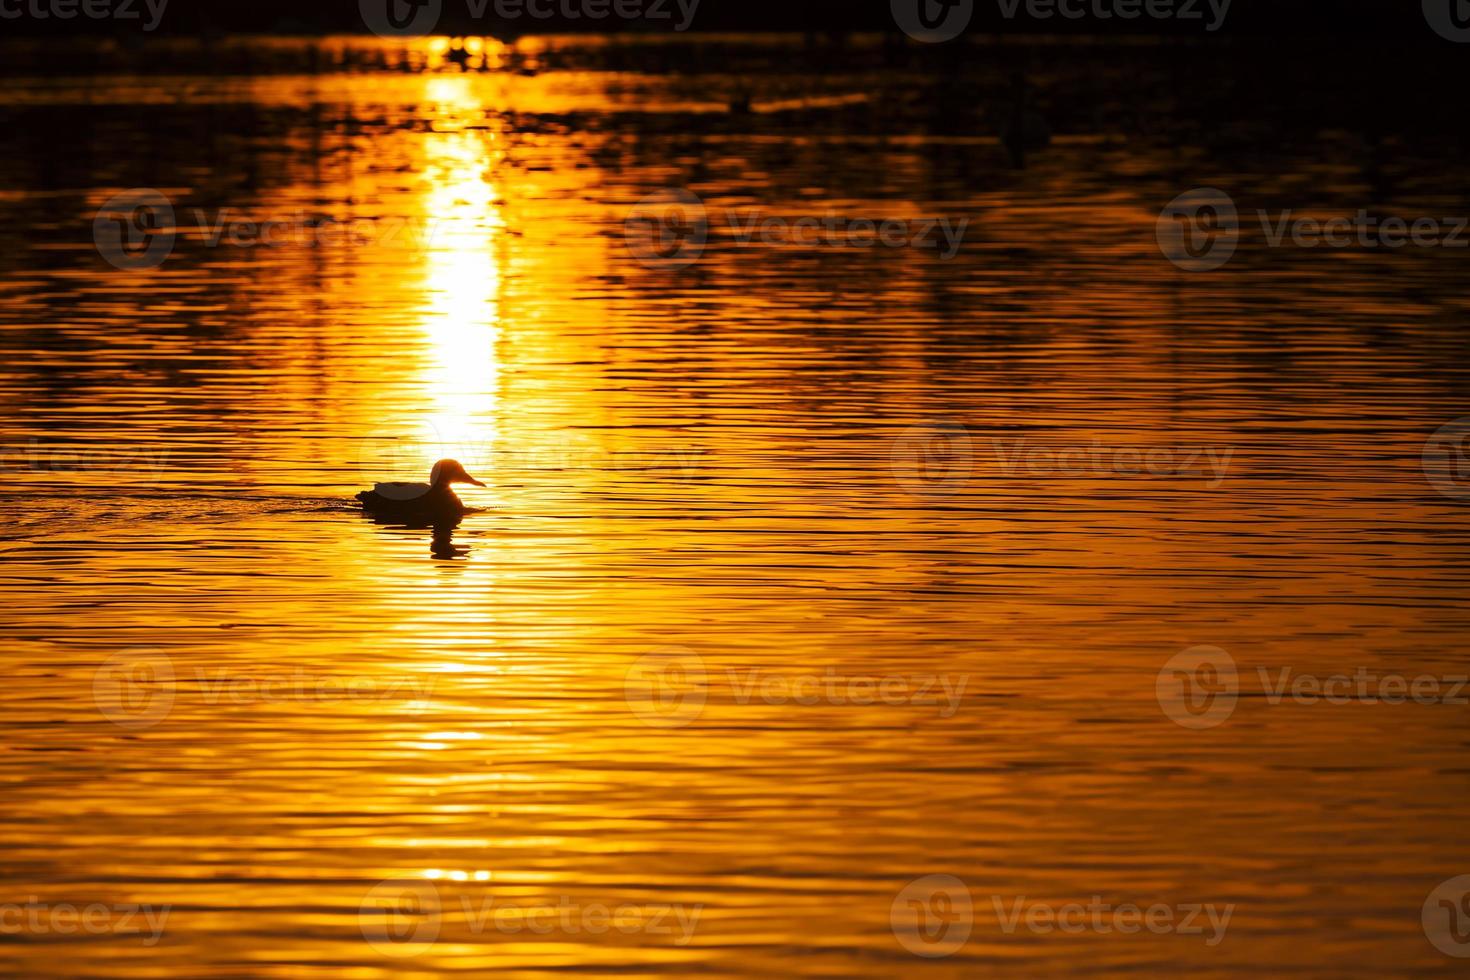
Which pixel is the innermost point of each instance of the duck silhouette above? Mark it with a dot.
(424, 503)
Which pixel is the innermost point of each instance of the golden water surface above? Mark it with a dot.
(803, 570)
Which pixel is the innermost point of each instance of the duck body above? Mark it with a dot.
(410, 499)
(420, 501)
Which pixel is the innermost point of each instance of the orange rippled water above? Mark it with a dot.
(804, 570)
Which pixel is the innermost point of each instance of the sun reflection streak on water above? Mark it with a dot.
(462, 282)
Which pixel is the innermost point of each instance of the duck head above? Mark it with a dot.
(448, 471)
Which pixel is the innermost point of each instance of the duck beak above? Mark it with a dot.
(470, 479)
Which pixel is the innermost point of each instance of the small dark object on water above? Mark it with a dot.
(1026, 130)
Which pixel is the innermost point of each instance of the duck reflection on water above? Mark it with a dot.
(441, 543)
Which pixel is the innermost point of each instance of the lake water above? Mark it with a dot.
(807, 567)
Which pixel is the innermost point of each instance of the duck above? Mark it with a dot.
(435, 499)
